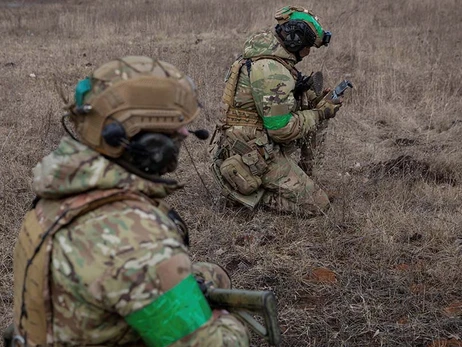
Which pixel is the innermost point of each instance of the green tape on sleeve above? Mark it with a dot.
(174, 315)
(276, 122)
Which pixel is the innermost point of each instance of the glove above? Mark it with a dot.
(308, 100)
(329, 107)
(211, 275)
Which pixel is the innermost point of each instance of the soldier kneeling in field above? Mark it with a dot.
(271, 108)
(101, 259)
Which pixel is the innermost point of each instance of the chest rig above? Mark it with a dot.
(256, 136)
(238, 116)
(33, 312)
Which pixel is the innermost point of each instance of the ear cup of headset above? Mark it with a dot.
(114, 133)
(292, 41)
(298, 35)
(153, 153)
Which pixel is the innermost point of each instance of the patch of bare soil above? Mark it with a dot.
(405, 166)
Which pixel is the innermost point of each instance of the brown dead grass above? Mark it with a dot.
(383, 267)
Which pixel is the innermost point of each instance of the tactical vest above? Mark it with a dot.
(236, 116)
(32, 256)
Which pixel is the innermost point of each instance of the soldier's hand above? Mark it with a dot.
(329, 107)
(309, 99)
(320, 97)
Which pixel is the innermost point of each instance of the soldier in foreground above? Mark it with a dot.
(101, 259)
(267, 111)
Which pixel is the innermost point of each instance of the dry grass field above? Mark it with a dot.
(384, 266)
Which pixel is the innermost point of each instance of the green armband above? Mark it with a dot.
(276, 122)
(174, 315)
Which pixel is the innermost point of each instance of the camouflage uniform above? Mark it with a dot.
(115, 250)
(265, 86)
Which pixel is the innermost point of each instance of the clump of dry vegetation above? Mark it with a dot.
(383, 266)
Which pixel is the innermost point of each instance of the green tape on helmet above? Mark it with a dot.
(82, 87)
(310, 19)
(174, 315)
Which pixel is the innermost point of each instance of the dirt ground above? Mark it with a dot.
(383, 266)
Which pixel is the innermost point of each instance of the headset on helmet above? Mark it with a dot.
(130, 110)
(297, 35)
(302, 29)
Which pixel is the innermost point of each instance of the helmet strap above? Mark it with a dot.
(66, 128)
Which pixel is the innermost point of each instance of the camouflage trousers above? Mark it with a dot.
(285, 187)
(289, 189)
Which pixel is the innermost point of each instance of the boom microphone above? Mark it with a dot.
(201, 134)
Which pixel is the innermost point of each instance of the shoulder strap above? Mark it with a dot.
(285, 63)
(231, 83)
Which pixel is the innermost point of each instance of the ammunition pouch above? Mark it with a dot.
(232, 194)
(255, 163)
(239, 176)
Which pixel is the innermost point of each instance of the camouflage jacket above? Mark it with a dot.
(114, 260)
(267, 86)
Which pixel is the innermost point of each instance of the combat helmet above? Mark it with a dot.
(130, 107)
(301, 27)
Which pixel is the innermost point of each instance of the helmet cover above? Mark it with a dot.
(287, 13)
(138, 93)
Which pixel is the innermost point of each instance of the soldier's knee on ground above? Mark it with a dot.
(212, 273)
(320, 202)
